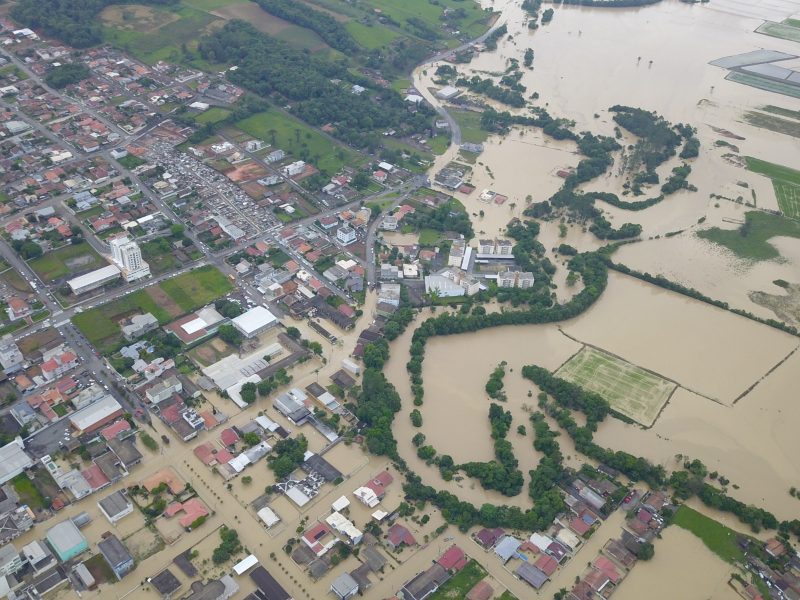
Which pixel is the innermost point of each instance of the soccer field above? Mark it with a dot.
(630, 390)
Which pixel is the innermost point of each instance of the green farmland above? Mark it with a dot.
(751, 240)
(785, 181)
(630, 390)
(718, 538)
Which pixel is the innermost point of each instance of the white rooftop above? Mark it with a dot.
(254, 319)
(194, 326)
(245, 564)
(93, 277)
(13, 460)
(269, 517)
(95, 412)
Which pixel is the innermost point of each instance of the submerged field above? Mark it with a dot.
(630, 390)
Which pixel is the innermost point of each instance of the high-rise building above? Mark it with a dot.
(128, 257)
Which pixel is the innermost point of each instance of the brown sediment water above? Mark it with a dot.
(683, 567)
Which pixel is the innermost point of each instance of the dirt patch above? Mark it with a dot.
(246, 172)
(135, 17)
(785, 306)
(38, 340)
(164, 301)
(253, 14)
(144, 543)
(79, 261)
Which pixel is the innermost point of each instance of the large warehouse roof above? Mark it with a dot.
(94, 277)
(94, 413)
(253, 320)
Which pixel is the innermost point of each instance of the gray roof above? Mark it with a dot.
(65, 536)
(13, 461)
(506, 547)
(114, 503)
(344, 585)
(533, 576)
(165, 582)
(114, 551)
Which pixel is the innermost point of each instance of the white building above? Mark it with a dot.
(164, 389)
(294, 168)
(255, 321)
(451, 283)
(515, 279)
(10, 560)
(448, 93)
(344, 527)
(457, 250)
(494, 248)
(11, 358)
(128, 257)
(346, 235)
(93, 280)
(13, 460)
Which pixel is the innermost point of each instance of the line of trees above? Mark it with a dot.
(488, 88)
(329, 29)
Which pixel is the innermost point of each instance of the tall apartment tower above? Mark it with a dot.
(127, 255)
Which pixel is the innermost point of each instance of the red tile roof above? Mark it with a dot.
(95, 477)
(112, 431)
(398, 534)
(453, 559)
(546, 564)
(608, 568)
(229, 437)
(579, 526)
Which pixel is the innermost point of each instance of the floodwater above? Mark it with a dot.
(697, 345)
(589, 59)
(682, 568)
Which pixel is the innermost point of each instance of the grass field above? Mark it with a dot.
(470, 123)
(196, 288)
(785, 181)
(166, 301)
(213, 115)
(371, 37)
(630, 390)
(212, 4)
(461, 583)
(429, 237)
(16, 281)
(719, 539)
(751, 240)
(300, 140)
(66, 260)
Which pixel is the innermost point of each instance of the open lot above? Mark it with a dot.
(297, 138)
(72, 259)
(786, 182)
(159, 37)
(630, 390)
(165, 301)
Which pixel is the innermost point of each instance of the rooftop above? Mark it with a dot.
(254, 319)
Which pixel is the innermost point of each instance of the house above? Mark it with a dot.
(17, 308)
(115, 506)
(453, 559)
(531, 575)
(424, 584)
(11, 359)
(343, 526)
(489, 537)
(268, 587)
(56, 366)
(116, 555)
(597, 580)
(164, 390)
(507, 547)
(399, 535)
(165, 583)
(344, 586)
(319, 538)
(480, 591)
(138, 325)
(546, 564)
(774, 548)
(608, 568)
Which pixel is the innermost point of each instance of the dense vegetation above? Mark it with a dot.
(325, 26)
(66, 74)
(491, 40)
(319, 89)
(448, 216)
(287, 455)
(491, 90)
(74, 22)
(501, 474)
(494, 387)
